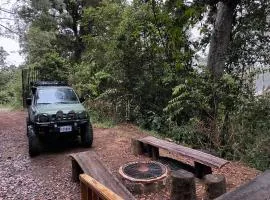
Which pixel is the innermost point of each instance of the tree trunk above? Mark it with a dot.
(220, 38)
(219, 44)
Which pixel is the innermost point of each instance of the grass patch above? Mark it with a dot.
(100, 121)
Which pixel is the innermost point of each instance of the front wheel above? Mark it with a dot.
(87, 135)
(34, 143)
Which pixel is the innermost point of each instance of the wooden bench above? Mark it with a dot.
(91, 189)
(256, 189)
(89, 163)
(203, 162)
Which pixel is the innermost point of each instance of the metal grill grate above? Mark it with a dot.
(144, 170)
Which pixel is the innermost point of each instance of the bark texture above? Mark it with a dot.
(220, 38)
(215, 186)
(183, 186)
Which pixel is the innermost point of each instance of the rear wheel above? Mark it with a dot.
(87, 135)
(27, 125)
(34, 143)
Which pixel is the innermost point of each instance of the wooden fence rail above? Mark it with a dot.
(93, 190)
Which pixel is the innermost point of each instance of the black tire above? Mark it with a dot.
(27, 124)
(34, 143)
(87, 135)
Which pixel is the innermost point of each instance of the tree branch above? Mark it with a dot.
(7, 11)
(9, 29)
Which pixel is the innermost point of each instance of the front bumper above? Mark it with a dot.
(54, 128)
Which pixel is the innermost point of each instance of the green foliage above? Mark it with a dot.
(135, 62)
(52, 67)
(10, 87)
(250, 132)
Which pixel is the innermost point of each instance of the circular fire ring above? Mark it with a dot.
(144, 177)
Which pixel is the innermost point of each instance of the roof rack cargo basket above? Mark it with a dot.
(49, 83)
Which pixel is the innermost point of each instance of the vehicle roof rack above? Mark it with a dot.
(49, 83)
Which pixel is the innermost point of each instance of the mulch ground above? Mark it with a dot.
(48, 176)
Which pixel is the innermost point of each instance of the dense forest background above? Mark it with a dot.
(143, 62)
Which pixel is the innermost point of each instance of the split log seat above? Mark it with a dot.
(88, 162)
(203, 162)
(256, 189)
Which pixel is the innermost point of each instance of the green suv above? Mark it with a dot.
(55, 111)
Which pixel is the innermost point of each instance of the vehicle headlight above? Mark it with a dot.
(42, 118)
(82, 115)
(59, 115)
(71, 115)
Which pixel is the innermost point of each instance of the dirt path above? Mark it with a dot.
(48, 176)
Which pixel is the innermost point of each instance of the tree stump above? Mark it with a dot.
(137, 147)
(183, 186)
(215, 186)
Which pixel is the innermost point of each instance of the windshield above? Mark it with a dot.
(56, 95)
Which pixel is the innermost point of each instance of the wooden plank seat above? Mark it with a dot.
(88, 162)
(256, 189)
(203, 162)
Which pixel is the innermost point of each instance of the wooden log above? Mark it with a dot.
(183, 186)
(155, 153)
(215, 186)
(137, 147)
(201, 170)
(76, 171)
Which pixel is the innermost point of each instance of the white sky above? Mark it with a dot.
(11, 46)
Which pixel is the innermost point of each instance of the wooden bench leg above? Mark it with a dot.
(152, 152)
(76, 171)
(201, 170)
(149, 150)
(155, 153)
(84, 192)
(137, 147)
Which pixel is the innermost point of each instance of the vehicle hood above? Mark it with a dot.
(53, 108)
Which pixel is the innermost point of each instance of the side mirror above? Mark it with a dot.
(28, 101)
(34, 89)
(82, 99)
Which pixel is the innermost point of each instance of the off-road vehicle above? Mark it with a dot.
(55, 111)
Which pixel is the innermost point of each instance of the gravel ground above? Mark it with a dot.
(48, 176)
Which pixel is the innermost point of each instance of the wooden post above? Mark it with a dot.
(155, 153)
(215, 186)
(137, 147)
(183, 186)
(201, 170)
(76, 171)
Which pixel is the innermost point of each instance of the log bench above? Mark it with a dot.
(88, 163)
(203, 162)
(256, 189)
